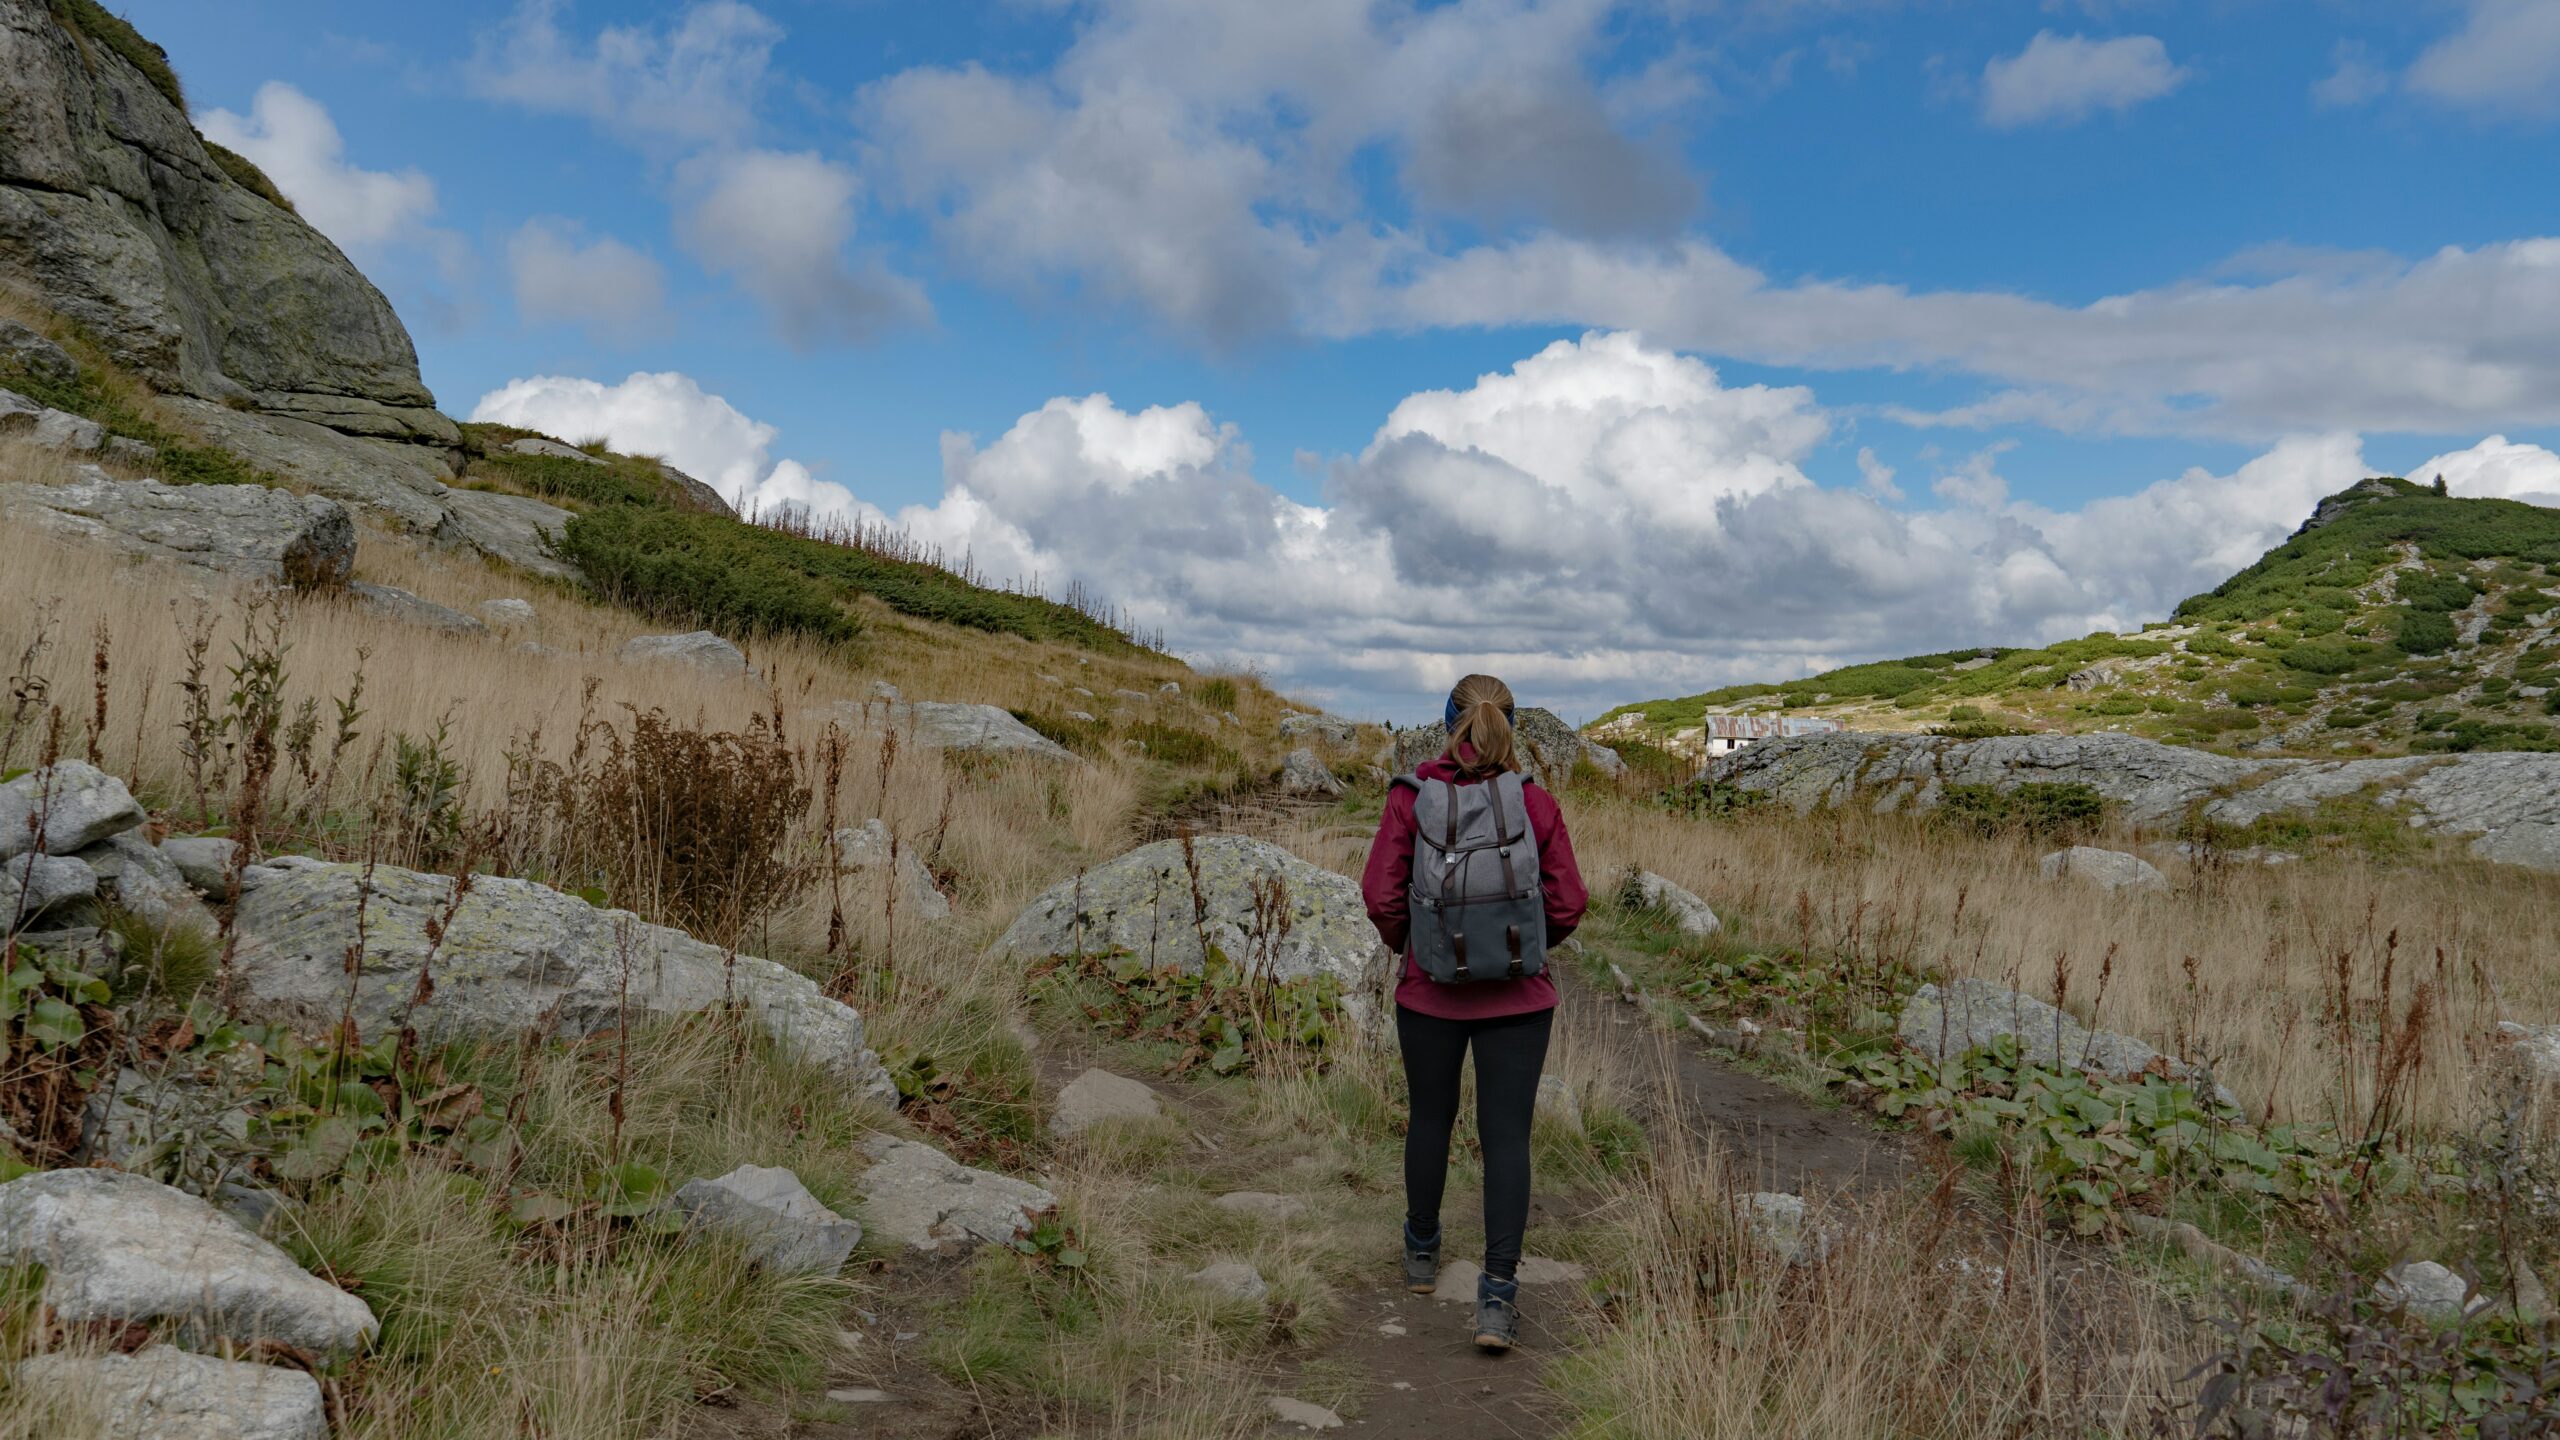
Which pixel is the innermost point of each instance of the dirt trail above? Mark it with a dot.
(1418, 1373)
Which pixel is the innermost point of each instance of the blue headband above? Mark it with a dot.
(1449, 717)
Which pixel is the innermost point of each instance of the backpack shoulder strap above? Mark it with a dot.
(1510, 805)
(1410, 780)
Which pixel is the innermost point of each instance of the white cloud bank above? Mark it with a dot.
(2064, 79)
(290, 136)
(2506, 57)
(1605, 520)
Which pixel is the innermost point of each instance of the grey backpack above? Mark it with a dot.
(1479, 910)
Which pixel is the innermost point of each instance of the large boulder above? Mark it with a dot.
(115, 214)
(920, 1198)
(1645, 890)
(1301, 773)
(31, 884)
(71, 804)
(166, 1393)
(1944, 1021)
(1548, 747)
(140, 878)
(1320, 729)
(390, 602)
(516, 529)
(27, 352)
(1259, 905)
(2507, 804)
(247, 531)
(117, 1247)
(985, 729)
(514, 955)
(1098, 1097)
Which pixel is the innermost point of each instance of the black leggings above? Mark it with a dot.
(1510, 1051)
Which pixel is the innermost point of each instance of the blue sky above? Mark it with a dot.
(1877, 324)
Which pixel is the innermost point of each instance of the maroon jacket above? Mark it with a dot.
(1387, 885)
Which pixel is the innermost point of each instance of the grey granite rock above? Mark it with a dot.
(136, 875)
(767, 1209)
(165, 1393)
(1550, 748)
(864, 850)
(25, 351)
(1231, 1280)
(1098, 1097)
(1942, 1022)
(1256, 903)
(1301, 773)
(390, 602)
(247, 531)
(69, 805)
(120, 1247)
(506, 612)
(33, 883)
(1686, 911)
(918, 1197)
(2107, 869)
(514, 955)
(700, 649)
(204, 860)
(515, 529)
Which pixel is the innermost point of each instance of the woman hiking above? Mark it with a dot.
(1470, 879)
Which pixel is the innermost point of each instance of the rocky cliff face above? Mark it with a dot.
(113, 212)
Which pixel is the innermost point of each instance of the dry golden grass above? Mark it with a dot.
(2277, 975)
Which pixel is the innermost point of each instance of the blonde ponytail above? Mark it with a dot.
(1483, 729)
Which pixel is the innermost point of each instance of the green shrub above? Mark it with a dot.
(1085, 737)
(2335, 658)
(181, 460)
(2424, 632)
(2464, 735)
(1176, 746)
(1218, 692)
(2038, 807)
(2429, 590)
(701, 570)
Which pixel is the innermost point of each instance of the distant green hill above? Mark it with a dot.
(2397, 619)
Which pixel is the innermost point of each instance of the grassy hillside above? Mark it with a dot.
(2398, 619)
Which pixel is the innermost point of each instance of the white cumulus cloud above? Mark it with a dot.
(2499, 468)
(695, 80)
(603, 285)
(781, 223)
(290, 136)
(2068, 78)
(2506, 57)
(671, 416)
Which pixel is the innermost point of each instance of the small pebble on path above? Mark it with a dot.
(1300, 1413)
(859, 1396)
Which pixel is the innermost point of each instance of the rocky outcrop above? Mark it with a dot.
(1301, 773)
(1550, 748)
(117, 1247)
(2507, 805)
(768, 1211)
(113, 213)
(946, 725)
(1257, 904)
(918, 1197)
(1319, 729)
(169, 1394)
(1644, 890)
(514, 955)
(244, 531)
(390, 602)
(515, 529)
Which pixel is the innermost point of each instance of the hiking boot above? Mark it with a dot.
(1421, 1264)
(1497, 1314)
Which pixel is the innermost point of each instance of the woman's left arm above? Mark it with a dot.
(1557, 872)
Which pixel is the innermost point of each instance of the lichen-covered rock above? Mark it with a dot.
(515, 529)
(32, 883)
(23, 350)
(136, 875)
(1647, 891)
(507, 612)
(390, 602)
(699, 648)
(865, 850)
(71, 804)
(1321, 729)
(2506, 804)
(2427, 1290)
(1260, 906)
(1098, 1097)
(2108, 869)
(247, 531)
(1942, 1022)
(118, 1247)
(401, 484)
(545, 445)
(1547, 746)
(514, 953)
(767, 1209)
(204, 860)
(1303, 774)
(923, 1199)
(165, 1393)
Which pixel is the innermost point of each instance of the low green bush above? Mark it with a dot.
(2039, 807)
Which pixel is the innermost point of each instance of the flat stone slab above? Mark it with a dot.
(1942, 1022)
(2107, 869)
(124, 1248)
(699, 648)
(81, 805)
(165, 1393)
(923, 1199)
(1262, 1204)
(248, 531)
(1303, 1414)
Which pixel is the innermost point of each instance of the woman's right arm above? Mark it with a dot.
(1386, 884)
